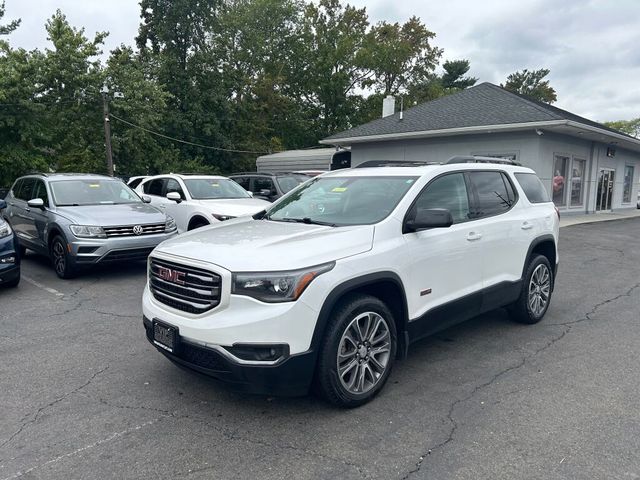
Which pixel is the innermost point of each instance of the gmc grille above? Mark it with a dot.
(127, 231)
(185, 288)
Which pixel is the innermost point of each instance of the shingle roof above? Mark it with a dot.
(483, 105)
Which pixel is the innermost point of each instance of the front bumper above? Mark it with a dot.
(89, 251)
(9, 248)
(290, 377)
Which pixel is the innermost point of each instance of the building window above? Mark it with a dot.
(560, 170)
(577, 181)
(628, 184)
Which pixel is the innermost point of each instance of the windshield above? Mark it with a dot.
(289, 182)
(340, 201)
(211, 188)
(67, 193)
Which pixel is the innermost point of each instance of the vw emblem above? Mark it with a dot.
(137, 230)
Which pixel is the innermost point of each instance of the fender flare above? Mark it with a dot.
(534, 243)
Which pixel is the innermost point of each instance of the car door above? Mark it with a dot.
(37, 218)
(501, 224)
(444, 265)
(178, 211)
(18, 209)
(154, 188)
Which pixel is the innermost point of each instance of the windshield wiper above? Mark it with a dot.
(306, 220)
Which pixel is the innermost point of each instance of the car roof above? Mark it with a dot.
(421, 170)
(53, 177)
(184, 176)
(266, 174)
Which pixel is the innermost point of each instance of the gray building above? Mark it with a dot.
(586, 166)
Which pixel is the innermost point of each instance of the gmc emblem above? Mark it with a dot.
(173, 276)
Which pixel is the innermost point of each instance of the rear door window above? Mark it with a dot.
(242, 181)
(490, 190)
(533, 187)
(154, 187)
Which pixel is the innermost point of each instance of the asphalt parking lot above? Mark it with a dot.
(83, 395)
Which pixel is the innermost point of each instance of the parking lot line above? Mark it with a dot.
(53, 291)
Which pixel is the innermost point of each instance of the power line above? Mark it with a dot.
(182, 141)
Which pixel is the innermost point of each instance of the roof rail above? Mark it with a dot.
(479, 159)
(392, 163)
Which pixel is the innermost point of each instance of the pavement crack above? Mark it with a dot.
(26, 421)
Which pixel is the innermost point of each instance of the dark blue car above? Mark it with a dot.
(9, 253)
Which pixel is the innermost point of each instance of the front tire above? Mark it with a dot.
(535, 295)
(13, 283)
(60, 258)
(357, 352)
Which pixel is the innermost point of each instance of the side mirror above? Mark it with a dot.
(3, 204)
(175, 196)
(429, 218)
(250, 193)
(265, 192)
(146, 199)
(36, 203)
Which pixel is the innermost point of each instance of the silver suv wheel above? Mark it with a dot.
(539, 290)
(363, 352)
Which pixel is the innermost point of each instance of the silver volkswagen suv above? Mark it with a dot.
(79, 220)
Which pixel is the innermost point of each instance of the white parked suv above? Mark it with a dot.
(337, 278)
(195, 201)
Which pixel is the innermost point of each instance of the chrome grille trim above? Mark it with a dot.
(197, 290)
(127, 230)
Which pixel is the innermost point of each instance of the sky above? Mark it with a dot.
(592, 47)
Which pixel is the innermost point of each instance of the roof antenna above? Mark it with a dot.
(401, 107)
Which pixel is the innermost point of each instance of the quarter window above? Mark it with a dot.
(448, 191)
(491, 192)
(533, 187)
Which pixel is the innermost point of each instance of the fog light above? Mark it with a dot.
(10, 259)
(259, 353)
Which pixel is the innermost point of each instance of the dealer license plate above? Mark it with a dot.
(165, 336)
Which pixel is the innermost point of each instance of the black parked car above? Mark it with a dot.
(9, 253)
(269, 186)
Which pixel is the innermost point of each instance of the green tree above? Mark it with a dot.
(11, 26)
(397, 56)
(531, 84)
(630, 127)
(454, 75)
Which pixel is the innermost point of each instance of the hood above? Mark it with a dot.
(264, 245)
(234, 207)
(113, 215)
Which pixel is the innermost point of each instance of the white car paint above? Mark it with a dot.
(450, 263)
(191, 210)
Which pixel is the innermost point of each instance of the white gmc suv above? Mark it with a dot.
(334, 281)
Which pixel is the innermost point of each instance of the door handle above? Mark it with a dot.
(526, 226)
(473, 236)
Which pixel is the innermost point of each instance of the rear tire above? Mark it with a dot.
(535, 295)
(60, 258)
(357, 352)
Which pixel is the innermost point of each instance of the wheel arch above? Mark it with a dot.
(387, 286)
(197, 218)
(544, 245)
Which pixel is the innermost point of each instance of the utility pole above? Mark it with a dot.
(107, 128)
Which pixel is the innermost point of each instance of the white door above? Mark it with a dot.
(443, 264)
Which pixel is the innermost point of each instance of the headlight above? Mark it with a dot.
(5, 229)
(222, 218)
(273, 287)
(88, 231)
(170, 224)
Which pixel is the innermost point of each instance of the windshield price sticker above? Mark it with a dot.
(339, 189)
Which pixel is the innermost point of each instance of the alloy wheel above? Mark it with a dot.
(59, 258)
(539, 290)
(364, 352)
